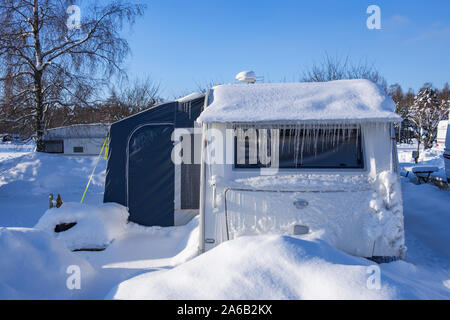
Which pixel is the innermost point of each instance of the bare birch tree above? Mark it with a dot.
(336, 68)
(57, 53)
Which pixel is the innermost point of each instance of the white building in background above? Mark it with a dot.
(80, 139)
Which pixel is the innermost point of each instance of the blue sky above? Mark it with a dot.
(183, 44)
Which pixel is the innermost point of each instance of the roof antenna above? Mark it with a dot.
(248, 77)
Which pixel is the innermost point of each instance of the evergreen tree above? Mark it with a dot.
(425, 114)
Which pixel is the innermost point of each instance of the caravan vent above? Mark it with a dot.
(246, 76)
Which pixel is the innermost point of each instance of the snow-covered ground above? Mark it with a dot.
(27, 179)
(160, 263)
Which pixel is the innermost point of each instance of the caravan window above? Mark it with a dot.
(325, 147)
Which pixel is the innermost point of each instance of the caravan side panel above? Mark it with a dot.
(357, 210)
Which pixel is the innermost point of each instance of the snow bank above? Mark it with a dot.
(335, 101)
(33, 265)
(263, 267)
(281, 267)
(97, 226)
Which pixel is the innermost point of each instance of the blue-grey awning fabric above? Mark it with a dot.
(140, 173)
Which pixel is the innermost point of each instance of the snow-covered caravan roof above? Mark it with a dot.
(348, 101)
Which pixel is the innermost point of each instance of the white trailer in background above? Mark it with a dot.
(325, 166)
(76, 140)
(442, 133)
(446, 154)
(443, 142)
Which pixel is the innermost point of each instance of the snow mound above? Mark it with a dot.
(33, 265)
(339, 101)
(96, 226)
(260, 267)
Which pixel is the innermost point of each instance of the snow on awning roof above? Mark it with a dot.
(342, 101)
(190, 97)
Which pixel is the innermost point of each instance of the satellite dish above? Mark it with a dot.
(246, 76)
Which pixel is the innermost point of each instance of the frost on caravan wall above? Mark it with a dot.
(367, 221)
(386, 227)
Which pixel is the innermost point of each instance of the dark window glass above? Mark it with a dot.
(300, 148)
(78, 149)
(54, 146)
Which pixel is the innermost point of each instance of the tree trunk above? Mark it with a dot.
(419, 138)
(38, 94)
(39, 112)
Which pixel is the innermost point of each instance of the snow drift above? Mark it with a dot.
(33, 265)
(281, 267)
(96, 226)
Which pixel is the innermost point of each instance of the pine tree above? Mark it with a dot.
(425, 113)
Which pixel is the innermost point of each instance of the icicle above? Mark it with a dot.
(283, 137)
(316, 137)
(190, 109)
(339, 133)
(357, 135)
(295, 133)
(303, 144)
(290, 141)
(335, 133)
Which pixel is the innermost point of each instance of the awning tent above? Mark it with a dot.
(140, 172)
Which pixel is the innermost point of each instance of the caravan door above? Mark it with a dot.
(150, 175)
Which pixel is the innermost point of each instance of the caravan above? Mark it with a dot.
(443, 142)
(446, 155)
(302, 159)
(442, 133)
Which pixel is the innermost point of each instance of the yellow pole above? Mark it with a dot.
(93, 171)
